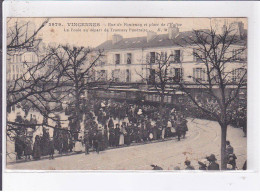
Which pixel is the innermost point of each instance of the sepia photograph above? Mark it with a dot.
(126, 93)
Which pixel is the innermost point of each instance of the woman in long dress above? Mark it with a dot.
(122, 134)
(79, 145)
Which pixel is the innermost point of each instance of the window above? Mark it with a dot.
(177, 56)
(199, 74)
(177, 74)
(197, 55)
(152, 57)
(115, 75)
(129, 58)
(163, 56)
(102, 75)
(117, 61)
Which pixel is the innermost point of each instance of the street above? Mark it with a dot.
(203, 139)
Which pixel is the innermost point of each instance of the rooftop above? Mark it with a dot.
(160, 40)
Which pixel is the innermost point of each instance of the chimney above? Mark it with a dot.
(173, 31)
(151, 35)
(116, 38)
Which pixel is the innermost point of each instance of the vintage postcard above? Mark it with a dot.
(126, 93)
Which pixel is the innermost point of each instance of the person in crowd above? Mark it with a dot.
(229, 148)
(112, 137)
(128, 134)
(155, 167)
(213, 165)
(86, 142)
(71, 144)
(37, 148)
(184, 126)
(178, 128)
(144, 131)
(51, 149)
(188, 165)
(60, 143)
(100, 140)
(97, 141)
(122, 134)
(168, 129)
(106, 142)
(65, 142)
(117, 135)
(19, 146)
(202, 165)
(28, 148)
(45, 142)
(232, 161)
(79, 145)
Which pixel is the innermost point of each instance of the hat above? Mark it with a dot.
(211, 158)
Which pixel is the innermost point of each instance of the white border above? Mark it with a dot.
(143, 180)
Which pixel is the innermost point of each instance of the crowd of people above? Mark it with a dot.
(123, 124)
(105, 124)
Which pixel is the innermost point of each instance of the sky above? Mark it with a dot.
(91, 32)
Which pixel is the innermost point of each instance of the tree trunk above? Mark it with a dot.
(223, 146)
(77, 111)
(161, 110)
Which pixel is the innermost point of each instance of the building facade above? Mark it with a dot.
(130, 62)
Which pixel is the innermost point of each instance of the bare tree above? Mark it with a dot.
(37, 86)
(22, 35)
(217, 52)
(78, 71)
(161, 76)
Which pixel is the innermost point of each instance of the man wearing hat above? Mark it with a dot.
(189, 167)
(213, 165)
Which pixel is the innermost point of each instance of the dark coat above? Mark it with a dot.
(28, 148)
(37, 149)
(213, 166)
(51, 147)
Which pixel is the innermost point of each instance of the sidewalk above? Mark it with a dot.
(56, 155)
